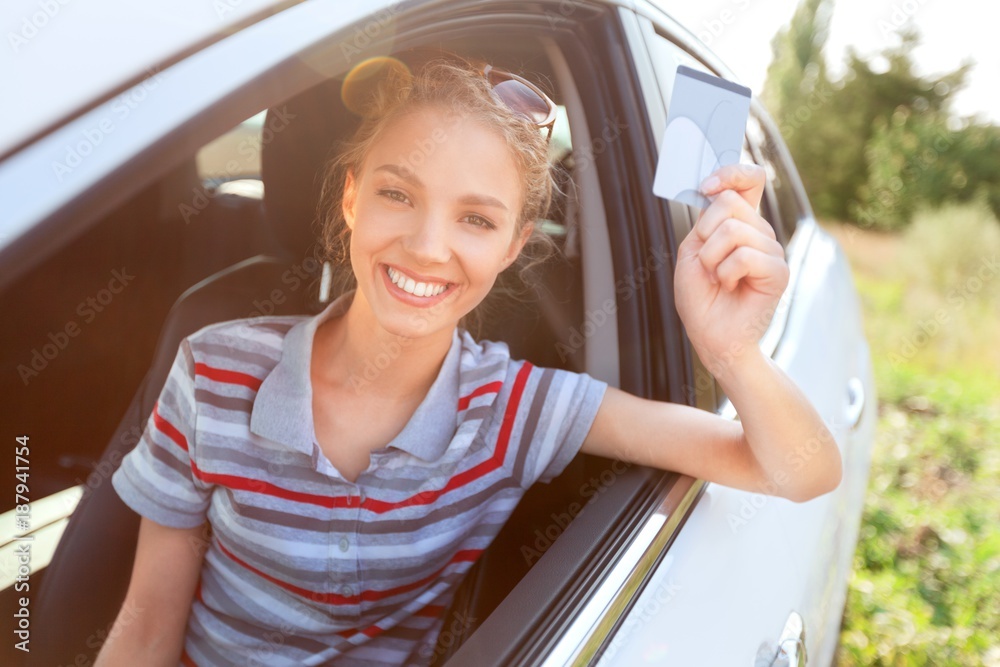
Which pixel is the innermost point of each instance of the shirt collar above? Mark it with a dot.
(282, 410)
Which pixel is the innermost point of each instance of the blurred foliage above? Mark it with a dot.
(926, 576)
(879, 143)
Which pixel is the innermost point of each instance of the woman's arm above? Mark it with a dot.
(730, 275)
(149, 629)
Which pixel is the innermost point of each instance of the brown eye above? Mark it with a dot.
(392, 195)
(480, 221)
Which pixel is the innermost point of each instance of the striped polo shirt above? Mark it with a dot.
(305, 567)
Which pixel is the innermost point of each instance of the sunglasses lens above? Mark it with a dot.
(523, 100)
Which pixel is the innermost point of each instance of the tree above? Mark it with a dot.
(863, 144)
(797, 67)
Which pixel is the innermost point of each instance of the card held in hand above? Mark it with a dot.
(706, 123)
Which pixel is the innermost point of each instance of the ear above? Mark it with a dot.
(517, 244)
(348, 200)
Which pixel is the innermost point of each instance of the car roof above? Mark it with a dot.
(63, 57)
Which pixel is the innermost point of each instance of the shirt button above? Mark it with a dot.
(347, 591)
(361, 495)
(344, 544)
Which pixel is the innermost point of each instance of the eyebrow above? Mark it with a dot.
(470, 199)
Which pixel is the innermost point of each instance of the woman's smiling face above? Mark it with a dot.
(433, 218)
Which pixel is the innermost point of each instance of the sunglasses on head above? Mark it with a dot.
(522, 97)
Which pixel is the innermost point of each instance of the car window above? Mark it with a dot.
(667, 56)
(231, 163)
(560, 150)
(769, 209)
(116, 281)
(789, 210)
(779, 206)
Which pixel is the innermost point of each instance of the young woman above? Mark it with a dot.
(304, 506)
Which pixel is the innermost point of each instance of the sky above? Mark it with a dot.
(740, 32)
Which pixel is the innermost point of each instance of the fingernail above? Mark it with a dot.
(709, 184)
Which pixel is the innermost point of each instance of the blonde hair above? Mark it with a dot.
(457, 85)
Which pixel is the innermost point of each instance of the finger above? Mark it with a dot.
(729, 204)
(764, 271)
(729, 236)
(746, 179)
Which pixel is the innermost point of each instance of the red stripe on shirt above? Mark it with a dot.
(472, 474)
(467, 555)
(186, 660)
(491, 388)
(260, 486)
(430, 611)
(381, 506)
(168, 429)
(227, 376)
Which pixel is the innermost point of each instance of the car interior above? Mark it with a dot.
(193, 254)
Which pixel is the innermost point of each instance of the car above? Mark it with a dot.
(162, 175)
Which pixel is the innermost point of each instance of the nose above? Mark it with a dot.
(428, 240)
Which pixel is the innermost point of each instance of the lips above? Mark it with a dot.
(405, 287)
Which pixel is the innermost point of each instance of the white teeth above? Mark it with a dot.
(411, 286)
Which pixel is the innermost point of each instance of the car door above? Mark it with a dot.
(688, 570)
(784, 558)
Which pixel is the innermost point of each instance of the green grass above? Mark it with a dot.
(925, 589)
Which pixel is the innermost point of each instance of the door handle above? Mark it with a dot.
(855, 402)
(791, 648)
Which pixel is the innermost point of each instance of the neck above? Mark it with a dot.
(357, 354)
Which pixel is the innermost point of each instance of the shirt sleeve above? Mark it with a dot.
(557, 409)
(155, 479)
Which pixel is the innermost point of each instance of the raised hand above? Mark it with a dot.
(731, 270)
